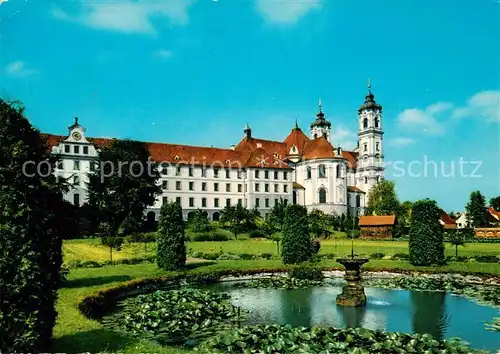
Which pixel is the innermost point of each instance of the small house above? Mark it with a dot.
(377, 226)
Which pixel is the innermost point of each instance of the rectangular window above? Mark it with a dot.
(365, 147)
(203, 172)
(191, 202)
(76, 180)
(275, 174)
(276, 201)
(216, 187)
(285, 176)
(257, 202)
(92, 166)
(178, 171)
(76, 165)
(240, 202)
(228, 202)
(76, 199)
(216, 173)
(276, 188)
(266, 187)
(240, 188)
(76, 149)
(228, 187)
(86, 150)
(228, 173)
(190, 172)
(257, 174)
(246, 187)
(203, 202)
(66, 148)
(257, 187)
(239, 174)
(216, 202)
(204, 186)
(191, 186)
(164, 200)
(366, 180)
(266, 174)
(285, 201)
(178, 200)
(164, 170)
(267, 202)
(377, 146)
(61, 167)
(164, 184)
(285, 188)
(178, 185)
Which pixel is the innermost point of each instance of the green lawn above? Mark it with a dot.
(76, 334)
(92, 249)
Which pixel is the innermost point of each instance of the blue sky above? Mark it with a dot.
(195, 72)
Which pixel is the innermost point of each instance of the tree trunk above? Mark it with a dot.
(111, 253)
(278, 246)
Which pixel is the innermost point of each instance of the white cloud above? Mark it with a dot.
(401, 142)
(483, 105)
(427, 121)
(164, 54)
(285, 12)
(19, 69)
(344, 138)
(128, 16)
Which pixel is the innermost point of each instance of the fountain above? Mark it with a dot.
(353, 293)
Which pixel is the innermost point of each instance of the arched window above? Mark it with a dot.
(376, 122)
(365, 123)
(151, 216)
(321, 171)
(215, 216)
(358, 201)
(322, 195)
(308, 172)
(339, 171)
(315, 136)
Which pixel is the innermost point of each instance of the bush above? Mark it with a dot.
(377, 255)
(315, 246)
(228, 257)
(296, 244)
(306, 272)
(266, 256)
(426, 234)
(247, 256)
(486, 259)
(400, 257)
(257, 234)
(31, 233)
(171, 249)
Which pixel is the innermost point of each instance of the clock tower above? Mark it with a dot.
(76, 132)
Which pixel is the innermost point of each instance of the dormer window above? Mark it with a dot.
(176, 158)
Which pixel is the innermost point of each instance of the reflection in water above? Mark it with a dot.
(429, 314)
(353, 316)
(296, 306)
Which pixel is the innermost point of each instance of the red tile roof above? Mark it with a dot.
(271, 146)
(448, 221)
(318, 148)
(196, 155)
(377, 220)
(351, 157)
(494, 213)
(297, 138)
(354, 189)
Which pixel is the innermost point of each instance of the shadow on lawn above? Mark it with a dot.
(84, 282)
(199, 264)
(94, 341)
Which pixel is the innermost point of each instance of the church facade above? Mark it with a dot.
(307, 169)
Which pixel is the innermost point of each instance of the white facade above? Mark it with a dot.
(307, 170)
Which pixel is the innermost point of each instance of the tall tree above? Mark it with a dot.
(426, 234)
(495, 203)
(382, 199)
(296, 244)
(200, 222)
(120, 189)
(171, 249)
(31, 233)
(404, 215)
(476, 211)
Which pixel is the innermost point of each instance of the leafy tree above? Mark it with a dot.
(296, 244)
(171, 249)
(239, 218)
(123, 185)
(31, 233)
(382, 199)
(318, 223)
(277, 215)
(477, 213)
(495, 203)
(404, 213)
(457, 238)
(200, 222)
(426, 234)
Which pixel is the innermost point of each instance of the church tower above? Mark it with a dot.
(370, 164)
(320, 127)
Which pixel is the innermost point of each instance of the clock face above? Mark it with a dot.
(77, 136)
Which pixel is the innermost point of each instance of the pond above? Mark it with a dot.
(439, 314)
